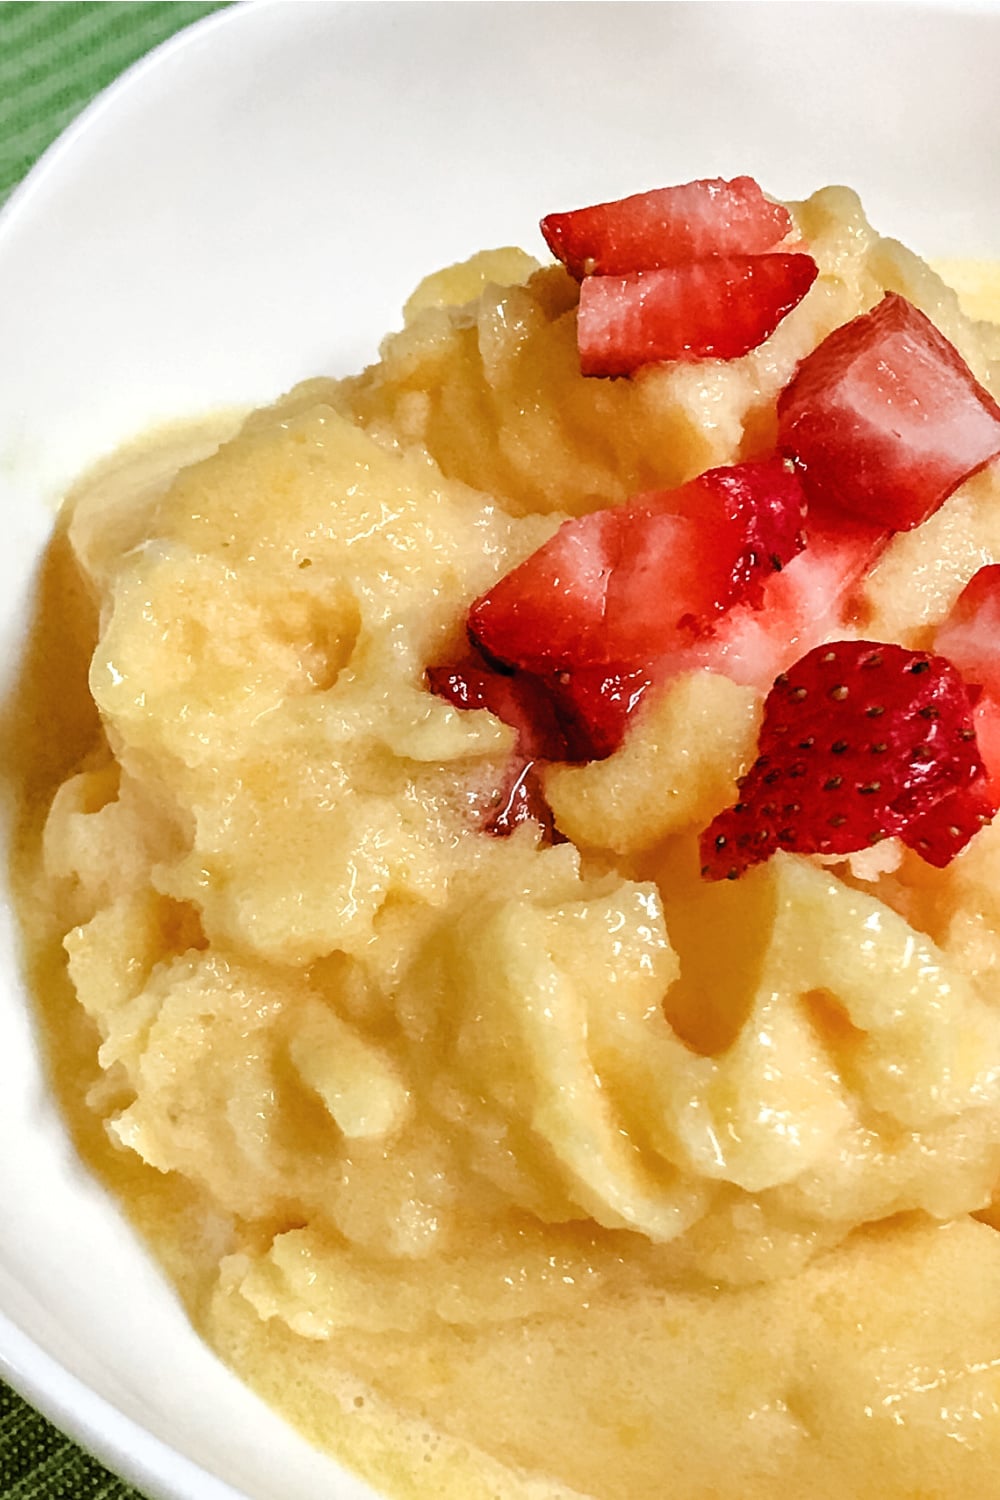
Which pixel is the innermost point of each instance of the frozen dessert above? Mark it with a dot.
(525, 911)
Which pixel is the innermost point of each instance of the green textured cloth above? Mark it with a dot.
(38, 1463)
(53, 59)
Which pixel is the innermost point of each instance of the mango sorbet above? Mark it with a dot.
(534, 1165)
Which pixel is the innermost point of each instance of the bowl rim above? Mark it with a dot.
(127, 1449)
(122, 83)
(124, 1446)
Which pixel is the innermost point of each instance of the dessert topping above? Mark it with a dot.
(667, 226)
(860, 741)
(519, 699)
(680, 273)
(970, 639)
(566, 644)
(718, 308)
(622, 587)
(884, 418)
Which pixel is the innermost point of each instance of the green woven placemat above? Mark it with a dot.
(53, 59)
(38, 1463)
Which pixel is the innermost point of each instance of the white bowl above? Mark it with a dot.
(251, 205)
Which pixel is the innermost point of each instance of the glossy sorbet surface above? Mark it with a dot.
(504, 1166)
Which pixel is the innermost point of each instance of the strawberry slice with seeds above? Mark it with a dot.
(619, 588)
(590, 616)
(859, 742)
(717, 308)
(885, 419)
(944, 832)
(661, 228)
(752, 516)
(549, 611)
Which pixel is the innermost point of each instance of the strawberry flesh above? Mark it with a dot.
(944, 832)
(666, 226)
(970, 639)
(565, 646)
(619, 588)
(559, 715)
(885, 419)
(593, 706)
(601, 611)
(519, 700)
(718, 308)
(808, 602)
(860, 741)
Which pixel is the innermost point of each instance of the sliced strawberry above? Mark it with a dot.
(986, 722)
(809, 601)
(839, 554)
(944, 832)
(520, 700)
(588, 619)
(583, 636)
(752, 517)
(549, 611)
(593, 707)
(666, 226)
(719, 308)
(565, 716)
(859, 742)
(885, 418)
(619, 588)
(970, 637)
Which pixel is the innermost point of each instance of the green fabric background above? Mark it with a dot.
(53, 59)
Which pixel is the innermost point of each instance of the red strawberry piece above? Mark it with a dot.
(752, 517)
(593, 707)
(718, 308)
(944, 832)
(564, 716)
(520, 700)
(986, 722)
(970, 637)
(821, 581)
(809, 601)
(549, 611)
(619, 588)
(885, 418)
(859, 741)
(666, 226)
